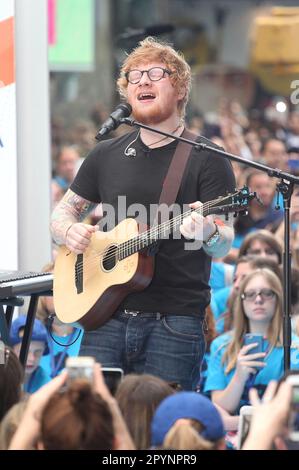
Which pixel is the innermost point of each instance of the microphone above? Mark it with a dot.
(123, 110)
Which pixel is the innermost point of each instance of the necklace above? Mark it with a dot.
(165, 137)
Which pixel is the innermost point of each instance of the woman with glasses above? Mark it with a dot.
(234, 366)
(158, 330)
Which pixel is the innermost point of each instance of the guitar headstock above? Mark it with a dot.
(232, 202)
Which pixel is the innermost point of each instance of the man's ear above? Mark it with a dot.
(181, 93)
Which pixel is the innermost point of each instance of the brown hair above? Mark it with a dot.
(257, 262)
(210, 333)
(263, 236)
(10, 422)
(77, 418)
(138, 397)
(151, 50)
(11, 378)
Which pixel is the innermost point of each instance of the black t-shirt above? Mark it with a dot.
(180, 281)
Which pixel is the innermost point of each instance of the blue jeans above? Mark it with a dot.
(168, 346)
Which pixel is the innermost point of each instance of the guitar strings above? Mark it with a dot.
(131, 243)
(135, 241)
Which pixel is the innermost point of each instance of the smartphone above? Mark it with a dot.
(250, 338)
(245, 417)
(294, 411)
(112, 376)
(80, 368)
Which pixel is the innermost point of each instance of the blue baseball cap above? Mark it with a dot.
(39, 332)
(190, 405)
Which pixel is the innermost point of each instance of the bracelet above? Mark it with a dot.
(213, 239)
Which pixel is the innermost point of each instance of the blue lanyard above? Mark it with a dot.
(56, 367)
(28, 385)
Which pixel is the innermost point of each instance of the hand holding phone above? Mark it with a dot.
(251, 357)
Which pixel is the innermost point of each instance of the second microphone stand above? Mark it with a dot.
(285, 188)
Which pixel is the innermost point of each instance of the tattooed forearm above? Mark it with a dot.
(71, 209)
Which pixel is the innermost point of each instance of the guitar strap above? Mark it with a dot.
(176, 170)
(174, 176)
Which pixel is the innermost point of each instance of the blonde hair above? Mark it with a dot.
(151, 50)
(184, 435)
(241, 323)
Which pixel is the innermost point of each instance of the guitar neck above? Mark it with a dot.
(161, 231)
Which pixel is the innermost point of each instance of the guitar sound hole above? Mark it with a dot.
(110, 258)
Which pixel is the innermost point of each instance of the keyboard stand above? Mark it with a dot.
(6, 316)
(24, 284)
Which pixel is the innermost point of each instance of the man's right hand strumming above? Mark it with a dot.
(67, 227)
(78, 237)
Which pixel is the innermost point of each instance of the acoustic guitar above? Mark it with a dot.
(89, 287)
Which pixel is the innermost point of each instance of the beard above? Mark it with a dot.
(154, 114)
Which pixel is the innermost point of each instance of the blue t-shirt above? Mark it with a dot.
(38, 378)
(62, 183)
(221, 275)
(54, 362)
(217, 379)
(219, 306)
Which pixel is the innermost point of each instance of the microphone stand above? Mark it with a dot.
(284, 187)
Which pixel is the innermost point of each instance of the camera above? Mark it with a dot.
(293, 380)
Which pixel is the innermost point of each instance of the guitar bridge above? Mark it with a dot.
(79, 274)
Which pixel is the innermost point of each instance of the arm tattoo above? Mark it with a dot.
(71, 209)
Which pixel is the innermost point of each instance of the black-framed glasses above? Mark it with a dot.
(265, 294)
(154, 74)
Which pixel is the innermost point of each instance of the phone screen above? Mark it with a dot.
(250, 339)
(80, 368)
(112, 377)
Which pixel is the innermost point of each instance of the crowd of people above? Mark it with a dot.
(43, 409)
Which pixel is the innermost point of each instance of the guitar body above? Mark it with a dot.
(106, 281)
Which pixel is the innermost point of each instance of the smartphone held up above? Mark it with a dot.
(82, 367)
